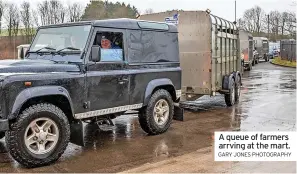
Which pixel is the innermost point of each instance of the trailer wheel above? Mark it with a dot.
(39, 136)
(157, 116)
(266, 58)
(230, 97)
(250, 67)
(2, 134)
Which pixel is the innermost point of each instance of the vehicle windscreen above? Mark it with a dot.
(59, 38)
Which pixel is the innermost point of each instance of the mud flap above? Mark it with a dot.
(77, 134)
(178, 113)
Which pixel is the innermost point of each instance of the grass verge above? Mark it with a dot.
(279, 61)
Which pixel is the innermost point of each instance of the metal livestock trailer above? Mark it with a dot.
(262, 47)
(246, 49)
(209, 54)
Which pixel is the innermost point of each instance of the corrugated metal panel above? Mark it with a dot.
(288, 50)
(246, 45)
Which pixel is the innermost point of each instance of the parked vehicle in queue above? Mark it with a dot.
(262, 47)
(246, 48)
(87, 71)
(209, 54)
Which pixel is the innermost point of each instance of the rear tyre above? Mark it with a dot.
(39, 136)
(230, 97)
(157, 116)
(250, 67)
(2, 135)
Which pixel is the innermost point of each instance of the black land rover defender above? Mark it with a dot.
(87, 71)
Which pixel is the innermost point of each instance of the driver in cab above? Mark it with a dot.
(106, 44)
(110, 51)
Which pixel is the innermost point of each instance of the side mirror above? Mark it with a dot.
(21, 53)
(95, 53)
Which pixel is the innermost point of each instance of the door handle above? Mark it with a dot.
(123, 80)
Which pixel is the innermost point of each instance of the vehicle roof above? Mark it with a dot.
(121, 23)
(260, 38)
(245, 32)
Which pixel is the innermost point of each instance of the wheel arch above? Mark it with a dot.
(156, 85)
(237, 76)
(55, 95)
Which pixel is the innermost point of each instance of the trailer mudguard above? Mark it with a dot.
(227, 81)
(237, 76)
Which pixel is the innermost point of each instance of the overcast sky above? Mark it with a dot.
(222, 8)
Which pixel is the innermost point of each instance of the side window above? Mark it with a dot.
(152, 47)
(112, 46)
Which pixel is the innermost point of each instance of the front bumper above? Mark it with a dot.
(4, 126)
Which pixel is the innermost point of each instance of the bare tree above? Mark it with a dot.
(148, 11)
(2, 7)
(15, 21)
(253, 20)
(281, 25)
(12, 18)
(35, 15)
(258, 16)
(43, 12)
(56, 12)
(290, 24)
(74, 12)
(247, 22)
(51, 12)
(26, 19)
(275, 19)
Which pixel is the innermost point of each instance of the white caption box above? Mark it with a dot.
(237, 146)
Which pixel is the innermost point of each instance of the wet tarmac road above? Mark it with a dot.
(268, 103)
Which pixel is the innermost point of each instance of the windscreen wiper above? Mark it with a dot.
(48, 48)
(67, 48)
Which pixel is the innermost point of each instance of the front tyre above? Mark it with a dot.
(230, 97)
(39, 136)
(157, 116)
(2, 134)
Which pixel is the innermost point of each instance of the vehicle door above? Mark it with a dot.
(108, 80)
